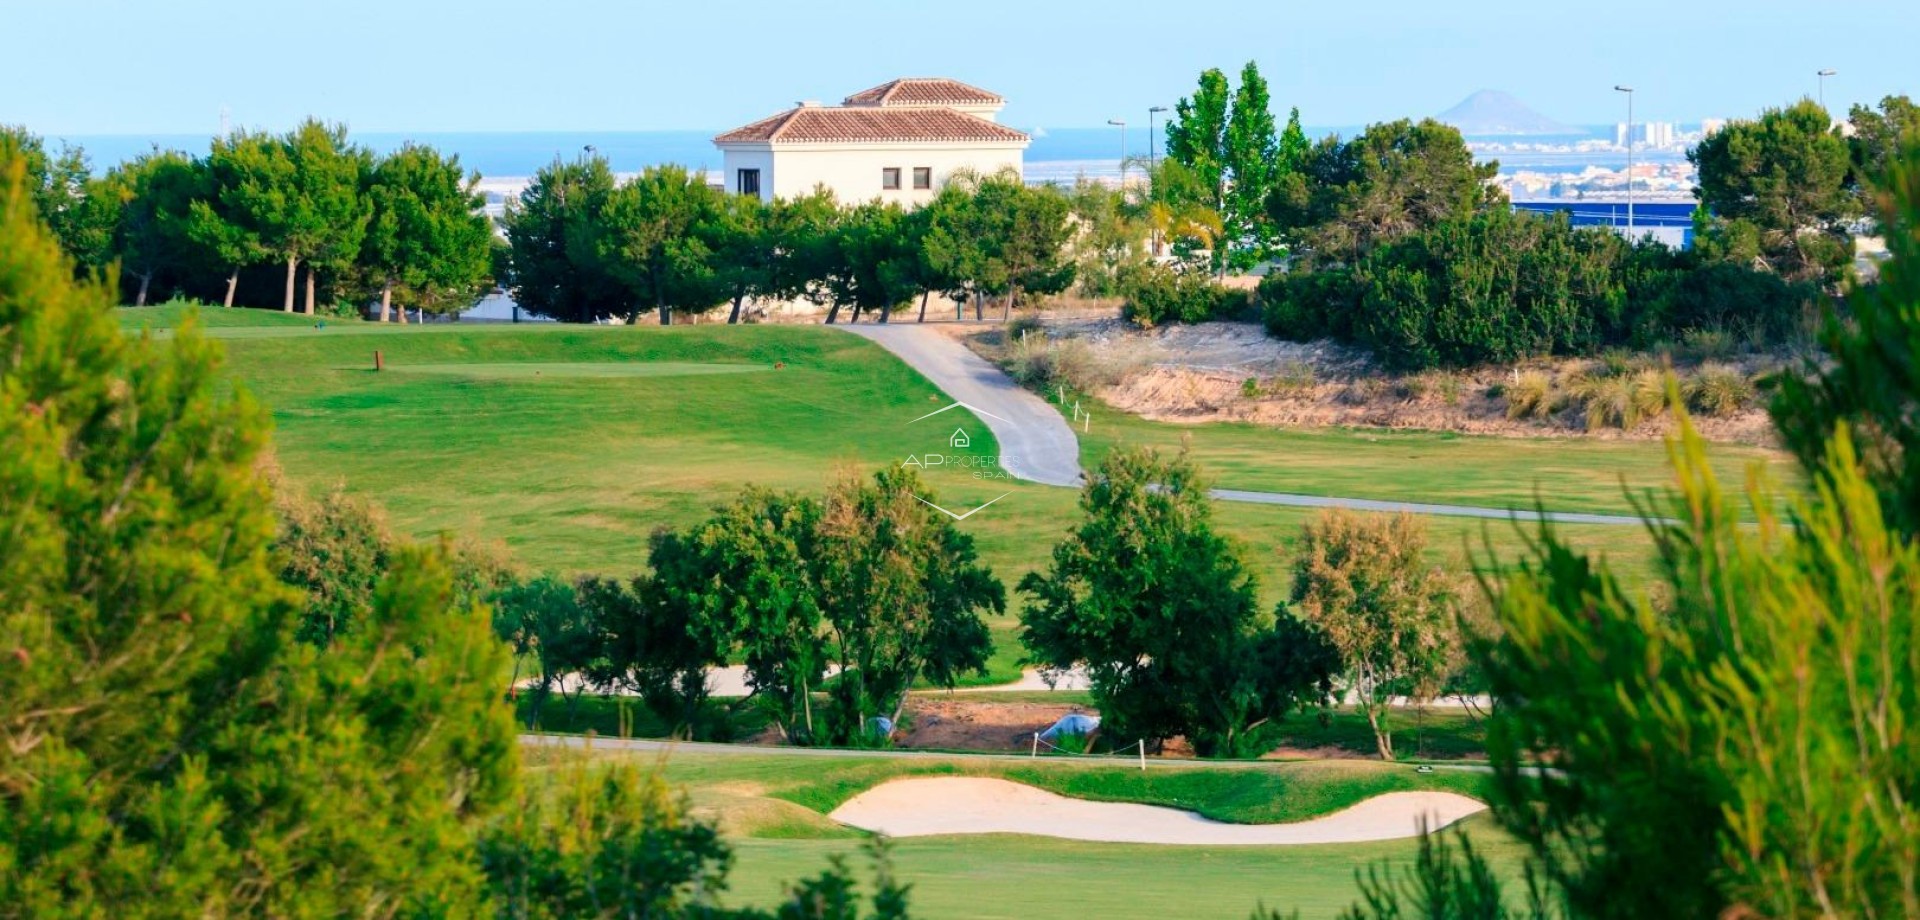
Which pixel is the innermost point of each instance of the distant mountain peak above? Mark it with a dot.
(1491, 111)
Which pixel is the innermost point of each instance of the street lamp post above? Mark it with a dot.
(1823, 75)
(1153, 156)
(1629, 91)
(1121, 123)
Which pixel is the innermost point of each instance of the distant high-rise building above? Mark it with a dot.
(1646, 134)
(1712, 126)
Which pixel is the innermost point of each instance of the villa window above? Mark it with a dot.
(923, 177)
(890, 178)
(749, 182)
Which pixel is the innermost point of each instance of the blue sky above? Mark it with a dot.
(140, 66)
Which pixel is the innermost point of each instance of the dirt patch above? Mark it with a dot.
(973, 725)
(1226, 371)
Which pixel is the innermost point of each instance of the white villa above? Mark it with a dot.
(897, 142)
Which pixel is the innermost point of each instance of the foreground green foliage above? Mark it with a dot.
(1743, 746)
(1157, 295)
(171, 749)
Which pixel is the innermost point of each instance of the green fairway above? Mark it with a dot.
(572, 443)
(773, 810)
(1017, 878)
(551, 369)
(1560, 474)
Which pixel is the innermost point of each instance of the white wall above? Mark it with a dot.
(853, 171)
(736, 160)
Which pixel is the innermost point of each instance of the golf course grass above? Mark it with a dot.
(1560, 473)
(773, 809)
(571, 444)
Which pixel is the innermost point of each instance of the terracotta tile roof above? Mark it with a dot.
(813, 124)
(924, 91)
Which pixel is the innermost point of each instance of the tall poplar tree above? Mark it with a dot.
(1251, 151)
(1196, 135)
(1227, 140)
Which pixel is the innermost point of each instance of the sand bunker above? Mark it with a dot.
(965, 805)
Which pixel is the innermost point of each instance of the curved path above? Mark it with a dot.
(1037, 445)
(928, 806)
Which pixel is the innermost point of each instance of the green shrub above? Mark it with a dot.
(1156, 295)
(1719, 297)
(1250, 388)
(1303, 306)
(1719, 391)
(1499, 286)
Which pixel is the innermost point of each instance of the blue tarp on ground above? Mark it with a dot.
(1073, 723)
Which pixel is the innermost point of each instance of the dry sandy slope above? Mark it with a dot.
(968, 805)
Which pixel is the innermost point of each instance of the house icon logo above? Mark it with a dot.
(959, 438)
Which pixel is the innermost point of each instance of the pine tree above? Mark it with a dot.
(172, 750)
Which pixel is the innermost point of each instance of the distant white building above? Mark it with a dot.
(1657, 134)
(898, 141)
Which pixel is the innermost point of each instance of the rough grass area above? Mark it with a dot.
(774, 807)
